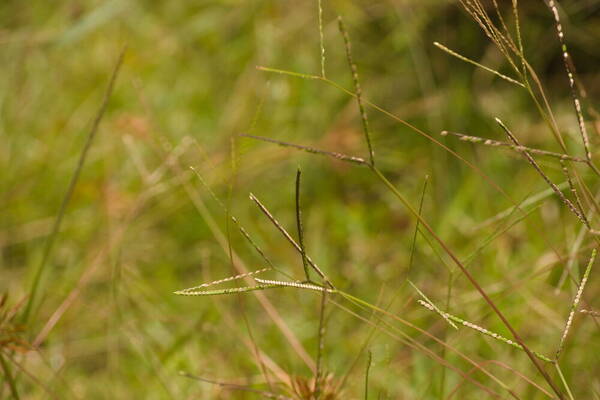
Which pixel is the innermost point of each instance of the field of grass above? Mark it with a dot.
(149, 147)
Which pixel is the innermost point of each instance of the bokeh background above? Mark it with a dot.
(140, 225)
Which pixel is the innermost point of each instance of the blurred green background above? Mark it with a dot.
(140, 225)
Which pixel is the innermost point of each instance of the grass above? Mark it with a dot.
(258, 146)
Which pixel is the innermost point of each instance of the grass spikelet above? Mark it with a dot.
(576, 301)
(480, 329)
(475, 63)
(593, 313)
(433, 306)
(574, 191)
(308, 149)
(218, 292)
(570, 74)
(357, 89)
(228, 279)
(299, 285)
(519, 149)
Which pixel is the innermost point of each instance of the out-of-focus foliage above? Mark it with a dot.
(140, 225)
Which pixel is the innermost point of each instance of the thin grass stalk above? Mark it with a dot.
(230, 200)
(475, 63)
(299, 227)
(357, 89)
(564, 381)
(49, 245)
(367, 370)
(320, 345)
(256, 351)
(520, 41)
(8, 376)
(414, 239)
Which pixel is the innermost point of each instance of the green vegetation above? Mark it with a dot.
(305, 200)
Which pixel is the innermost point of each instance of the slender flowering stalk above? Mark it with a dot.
(468, 60)
(570, 74)
(520, 149)
(576, 303)
(308, 149)
(483, 330)
(299, 226)
(357, 90)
